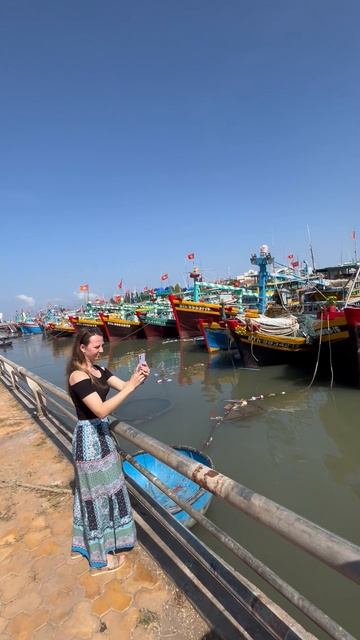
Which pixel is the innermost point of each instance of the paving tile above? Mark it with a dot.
(48, 548)
(120, 625)
(38, 523)
(60, 604)
(81, 623)
(11, 586)
(113, 597)
(94, 585)
(5, 552)
(62, 526)
(55, 583)
(153, 600)
(46, 632)
(3, 623)
(27, 602)
(73, 569)
(16, 563)
(9, 537)
(142, 577)
(34, 538)
(44, 566)
(23, 625)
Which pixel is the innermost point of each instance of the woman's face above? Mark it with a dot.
(94, 349)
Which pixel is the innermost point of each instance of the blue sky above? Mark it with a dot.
(135, 132)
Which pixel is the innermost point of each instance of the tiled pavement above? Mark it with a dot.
(46, 595)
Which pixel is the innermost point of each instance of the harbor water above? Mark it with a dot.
(297, 445)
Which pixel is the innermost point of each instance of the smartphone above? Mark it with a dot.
(142, 358)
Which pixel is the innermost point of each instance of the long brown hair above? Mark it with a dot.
(77, 360)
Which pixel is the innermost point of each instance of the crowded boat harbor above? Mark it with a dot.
(227, 603)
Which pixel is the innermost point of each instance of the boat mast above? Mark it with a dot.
(262, 261)
(311, 249)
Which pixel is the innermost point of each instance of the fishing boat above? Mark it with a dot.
(216, 336)
(5, 341)
(302, 340)
(158, 326)
(187, 314)
(352, 364)
(30, 326)
(86, 321)
(60, 329)
(267, 341)
(123, 324)
(158, 320)
(190, 492)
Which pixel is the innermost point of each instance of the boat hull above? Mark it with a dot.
(216, 336)
(119, 329)
(164, 329)
(29, 328)
(190, 492)
(59, 331)
(187, 314)
(5, 342)
(79, 322)
(352, 315)
(330, 350)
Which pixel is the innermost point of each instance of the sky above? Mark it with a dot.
(135, 132)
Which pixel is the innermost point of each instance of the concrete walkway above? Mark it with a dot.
(44, 594)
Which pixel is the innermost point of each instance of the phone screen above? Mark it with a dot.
(142, 358)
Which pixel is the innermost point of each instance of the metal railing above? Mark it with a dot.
(334, 551)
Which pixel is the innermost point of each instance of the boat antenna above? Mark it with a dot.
(353, 236)
(311, 249)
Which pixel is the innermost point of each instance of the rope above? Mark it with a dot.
(252, 347)
(318, 354)
(330, 355)
(130, 334)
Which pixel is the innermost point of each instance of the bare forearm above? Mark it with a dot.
(115, 401)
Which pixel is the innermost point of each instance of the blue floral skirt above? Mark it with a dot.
(103, 521)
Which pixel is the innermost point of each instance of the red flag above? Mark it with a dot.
(290, 256)
(190, 256)
(120, 284)
(295, 264)
(353, 235)
(84, 287)
(164, 276)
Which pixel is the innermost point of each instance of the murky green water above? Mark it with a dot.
(299, 448)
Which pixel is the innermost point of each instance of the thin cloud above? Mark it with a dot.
(27, 299)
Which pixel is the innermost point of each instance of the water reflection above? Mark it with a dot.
(60, 347)
(280, 403)
(340, 420)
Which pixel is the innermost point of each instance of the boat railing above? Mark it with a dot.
(47, 400)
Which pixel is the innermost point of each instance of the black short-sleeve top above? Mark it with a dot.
(81, 389)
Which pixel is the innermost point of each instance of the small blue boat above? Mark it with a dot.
(216, 336)
(190, 492)
(30, 327)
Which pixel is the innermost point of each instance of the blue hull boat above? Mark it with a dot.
(190, 492)
(216, 337)
(30, 327)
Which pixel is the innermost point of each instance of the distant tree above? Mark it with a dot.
(177, 288)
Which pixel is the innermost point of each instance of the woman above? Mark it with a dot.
(103, 523)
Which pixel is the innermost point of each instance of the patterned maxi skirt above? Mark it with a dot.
(103, 521)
